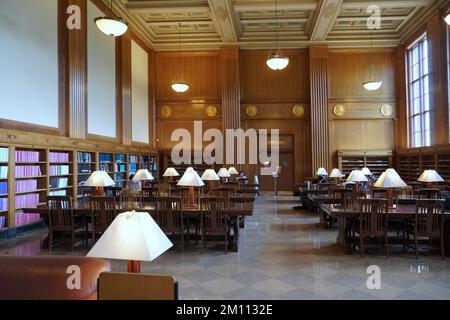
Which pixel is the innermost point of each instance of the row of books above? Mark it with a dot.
(3, 172)
(59, 170)
(134, 159)
(59, 182)
(84, 157)
(104, 157)
(27, 156)
(104, 167)
(3, 187)
(27, 200)
(84, 168)
(24, 218)
(3, 154)
(26, 185)
(58, 157)
(2, 222)
(3, 204)
(28, 171)
(120, 168)
(120, 158)
(58, 193)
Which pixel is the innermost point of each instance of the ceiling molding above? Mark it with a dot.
(223, 17)
(326, 17)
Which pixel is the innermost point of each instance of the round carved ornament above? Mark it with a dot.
(298, 110)
(211, 111)
(166, 111)
(387, 110)
(339, 110)
(251, 110)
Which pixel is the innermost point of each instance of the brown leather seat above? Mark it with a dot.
(46, 277)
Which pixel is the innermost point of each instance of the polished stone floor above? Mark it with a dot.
(283, 254)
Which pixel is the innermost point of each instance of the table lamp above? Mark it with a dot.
(99, 179)
(142, 175)
(132, 236)
(337, 174)
(190, 179)
(390, 180)
(223, 173)
(366, 171)
(430, 176)
(321, 172)
(357, 176)
(171, 172)
(211, 176)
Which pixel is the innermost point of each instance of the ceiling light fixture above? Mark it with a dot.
(179, 86)
(447, 16)
(372, 84)
(111, 26)
(276, 60)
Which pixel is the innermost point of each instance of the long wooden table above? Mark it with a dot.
(404, 212)
(82, 210)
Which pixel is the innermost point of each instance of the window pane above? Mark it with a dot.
(425, 47)
(417, 124)
(416, 89)
(416, 106)
(415, 72)
(415, 55)
(427, 120)
(417, 139)
(426, 102)
(427, 136)
(425, 85)
(425, 66)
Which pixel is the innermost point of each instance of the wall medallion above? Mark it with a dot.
(387, 110)
(298, 110)
(166, 111)
(211, 111)
(251, 110)
(339, 110)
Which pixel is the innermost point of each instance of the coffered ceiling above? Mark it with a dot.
(210, 24)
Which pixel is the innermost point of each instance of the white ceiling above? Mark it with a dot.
(211, 24)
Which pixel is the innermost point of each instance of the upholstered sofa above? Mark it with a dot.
(50, 277)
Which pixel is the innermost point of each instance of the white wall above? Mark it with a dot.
(29, 61)
(101, 78)
(139, 89)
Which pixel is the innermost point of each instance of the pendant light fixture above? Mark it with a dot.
(447, 16)
(179, 86)
(276, 61)
(372, 84)
(111, 26)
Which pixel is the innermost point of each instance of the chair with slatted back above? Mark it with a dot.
(130, 199)
(342, 194)
(149, 194)
(169, 216)
(103, 213)
(373, 222)
(60, 218)
(215, 221)
(429, 193)
(429, 223)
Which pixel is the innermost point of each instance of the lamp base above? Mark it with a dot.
(134, 266)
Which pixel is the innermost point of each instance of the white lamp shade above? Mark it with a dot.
(143, 175)
(232, 170)
(357, 176)
(99, 179)
(447, 18)
(223, 173)
(366, 171)
(336, 173)
(132, 236)
(171, 172)
(112, 27)
(322, 172)
(372, 85)
(190, 179)
(430, 176)
(210, 175)
(277, 62)
(390, 179)
(180, 87)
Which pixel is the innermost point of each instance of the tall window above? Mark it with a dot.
(418, 93)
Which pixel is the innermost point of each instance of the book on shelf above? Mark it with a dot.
(134, 159)
(58, 193)
(59, 182)
(4, 154)
(27, 200)
(27, 156)
(4, 204)
(28, 171)
(84, 168)
(26, 185)
(104, 167)
(2, 222)
(3, 172)
(104, 157)
(3, 187)
(84, 157)
(120, 158)
(24, 218)
(59, 170)
(120, 168)
(58, 157)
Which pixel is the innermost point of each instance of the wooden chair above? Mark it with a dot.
(373, 222)
(215, 221)
(134, 286)
(429, 193)
(61, 219)
(169, 216)
(103, 213)
(131, 199)
(149, 194)
(429, 222)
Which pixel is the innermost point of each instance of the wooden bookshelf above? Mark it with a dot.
(61, 178)
(86, 164)
(120, 169)
(4, 186)
(376, 160)
(106, 163)
(133, 163)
